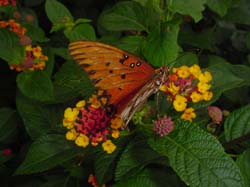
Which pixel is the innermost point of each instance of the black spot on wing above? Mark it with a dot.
(125, 57)
(123, 76)
(122, 60)
(132, 65)
(85, 65)
(138, 63)
(95, 81)
(92, 72)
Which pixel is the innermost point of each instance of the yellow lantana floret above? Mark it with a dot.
(37, 51)
(183, 72)
(196, 97)
(207, 96)
(205, 77)
(70, 114)
(108, 146)
(82, 140)
(68, 124)
(115, 134)
(28, 48)
(71, 135)
(188, 114)
(180, 103)
(94, 102)
(80, 104)
(173, 89)
(203, 87)
(195, 70)
(163, 88)
(116, 123)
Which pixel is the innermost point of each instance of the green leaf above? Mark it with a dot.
(193, 8)
(223, 76)
(13, 55)
(202, 40)
(47, 152)
(197, 157)
(62, 52)
(78, 171)
(82, 20)
(35, 85)
(152, 3)
(51, 61)
(219, 6)
(105, 163)
(131, 44)
(10, 49)
(83, 31)
(38, 119)
(71, 81)
(105, 166)
(57, 12)
(243, 161)
(237, 123)
(8, 125)
(8, 39)
(149, 177)
(134, 158)
(161, 47)
(239, 12)
(35, 33)
(125, 16)
(187, 59)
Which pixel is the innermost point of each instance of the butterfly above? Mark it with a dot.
(128, 80)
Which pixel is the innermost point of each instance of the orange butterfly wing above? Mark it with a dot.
(121, 74)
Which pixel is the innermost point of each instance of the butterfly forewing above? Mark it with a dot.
(121, 74)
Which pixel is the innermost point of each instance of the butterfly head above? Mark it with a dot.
(162, 75)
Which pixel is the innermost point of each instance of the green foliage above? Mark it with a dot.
(10, 50)
(8, 125)
(237, 124)
(35, 85)
(219, 6)
(38, 118)
(192, 8)
(125, 16)
(58, 14)
(164, 45)
(211, 33)
(46, 152)
(243, 161)
(134, 158)
(197, 157)
(71, 81)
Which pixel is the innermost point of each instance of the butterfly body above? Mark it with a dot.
(128, 80)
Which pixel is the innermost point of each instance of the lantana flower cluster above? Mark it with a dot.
(13, 26)
(7, 2)
(34, 59)
(92, 122)
(187, 85)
